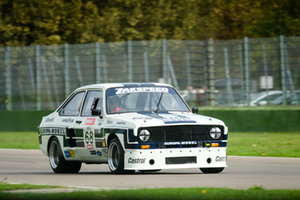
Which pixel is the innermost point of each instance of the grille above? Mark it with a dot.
(181, 133)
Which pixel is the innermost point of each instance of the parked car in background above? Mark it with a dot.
(292, 98)
(264, 98)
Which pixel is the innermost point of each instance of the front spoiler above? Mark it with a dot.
(151, 159)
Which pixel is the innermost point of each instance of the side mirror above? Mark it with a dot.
(195, 110)
(95, 111)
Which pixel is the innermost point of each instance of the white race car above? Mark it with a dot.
(131, 126)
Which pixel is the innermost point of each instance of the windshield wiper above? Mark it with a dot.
(157, 106)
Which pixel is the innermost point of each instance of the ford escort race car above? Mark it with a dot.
(131, 126)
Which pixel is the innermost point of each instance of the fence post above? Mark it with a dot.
(265, 69)
(130, 67)
(43, 67)
(283, 69)
(38, 77)
(229, 95)
(67, 74)
(211, 72)
(242, 71)
(165, 57)
(78, 68)
(146, 66)
(247, 73)
(104, 68)
(8, 81)
(188, 68)
(98, 66)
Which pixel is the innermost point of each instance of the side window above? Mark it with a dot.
(72, 108)
(91, 95)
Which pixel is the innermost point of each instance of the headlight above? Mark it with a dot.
(144, 135)
(215, 132)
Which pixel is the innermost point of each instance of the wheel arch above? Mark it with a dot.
(118, 136)
(110, 137)
(48, 144)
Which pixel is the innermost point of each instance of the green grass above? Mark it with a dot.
(166, 193)
(264, 144)
(239, 143)
(7, 186)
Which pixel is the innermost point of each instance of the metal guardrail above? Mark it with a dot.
(212, 72)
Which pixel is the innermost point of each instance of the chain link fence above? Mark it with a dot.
(240, 72)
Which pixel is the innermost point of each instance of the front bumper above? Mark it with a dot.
(151, 159)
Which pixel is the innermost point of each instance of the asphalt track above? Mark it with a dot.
(31, 166)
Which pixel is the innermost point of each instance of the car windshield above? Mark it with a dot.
(144, 99)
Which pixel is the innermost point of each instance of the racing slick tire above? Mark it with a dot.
(212, 170)
(116, 157)
(57, 161)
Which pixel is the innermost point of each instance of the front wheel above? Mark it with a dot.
(116, 157)
(57, 161)
(212, 170)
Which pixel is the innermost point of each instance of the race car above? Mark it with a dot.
(132, 127)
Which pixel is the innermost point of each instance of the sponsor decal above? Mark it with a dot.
(67, 120)
(121, 123)
(99, 153)
(136, 160)
(180, 143)
(172, 118)
(93, 153)
(90, 146)
(109, 122)
(142, 118)
(49, 120)
(220, 159)
(141, 89)
(90, 121)
(67, 154)
(52, 131)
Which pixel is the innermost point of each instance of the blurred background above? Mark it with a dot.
(216, 53)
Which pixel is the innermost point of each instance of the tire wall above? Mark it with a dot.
(237, 119)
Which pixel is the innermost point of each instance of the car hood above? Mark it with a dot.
(135, 120)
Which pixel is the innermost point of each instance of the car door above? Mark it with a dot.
(91, 129)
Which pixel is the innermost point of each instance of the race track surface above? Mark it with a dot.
(31, 166)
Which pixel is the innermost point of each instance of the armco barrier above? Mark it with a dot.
(286, 119)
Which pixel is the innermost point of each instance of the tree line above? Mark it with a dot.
(32, 22)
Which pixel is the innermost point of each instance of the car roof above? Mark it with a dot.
(111, 85)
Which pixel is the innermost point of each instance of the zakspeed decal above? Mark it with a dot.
(141, 89)
(90, 121)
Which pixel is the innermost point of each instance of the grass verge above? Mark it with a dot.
(7, 187)
(166, 193)
(239, 143)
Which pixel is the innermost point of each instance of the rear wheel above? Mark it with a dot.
(57, 161)
(116, 157)
(212, 170)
